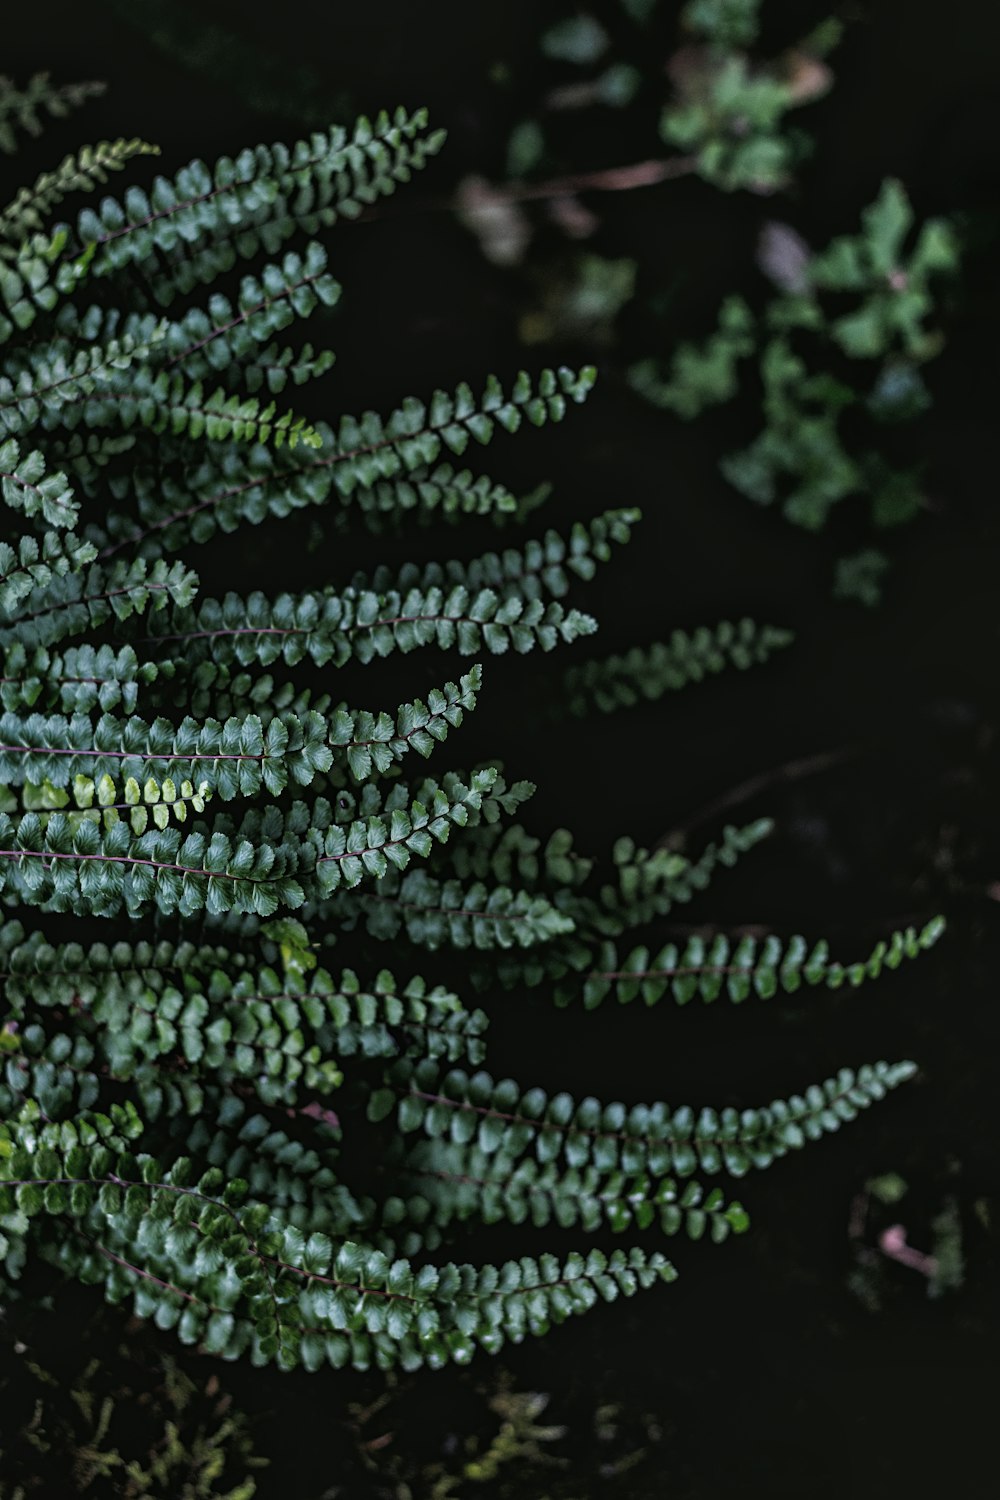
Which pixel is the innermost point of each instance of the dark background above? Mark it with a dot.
(762, 1373)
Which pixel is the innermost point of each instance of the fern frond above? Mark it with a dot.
(225, 497)
(650, 883)
(367, 622)
(32, 564)
(80, 680)
(82, 601)
(707, 968)
(212, 691)
(31, 954)
(372, 744)
(293, 1299)
(428, 495)
(364, 464)
(294, 1176)
(281, 1039)
(652, 1139)
(510, 853)
(277, 364)
(104, 800)
(307, 1300)
(56, 383)
(204, 219)
(26, 486)
(367, 449)
(436, 913)
(213, 341)
(460, 1182)
(644, 674)
(90, 458)
(369, 846)
(27, 282)
(64, 864)
(544, 564)
(499, 798)
(162, 402)
(22, 109)
(119, 383)
(76, 173)
(236, 758)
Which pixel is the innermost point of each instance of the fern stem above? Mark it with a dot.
(37, 614)
(447, 911)
(188, 203)
(487, 1112)
(682, 970)
(129, 859)
(146, 1275)
(241, 489)
(792, 770)
(245, 315)
(606, 180)
(128, 754)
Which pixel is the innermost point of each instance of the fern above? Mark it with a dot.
(268, 193)
(638, 675)
(78, 680)
(300, 1299)
(372, 744)
(459, 1182)
(365, 463)
(21, 109)
(103, 801)
(705, 970)
(76, 173)
(29, 488)
(73, 602)
(494, 603)
(34, 564)
(209, 1120)
(437, 913)
(50, 381)
(642, 1138)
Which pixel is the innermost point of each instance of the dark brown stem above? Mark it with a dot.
(639, 174)
(793, 770)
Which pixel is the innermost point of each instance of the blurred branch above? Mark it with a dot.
(638, 174)
(610, 180)
(793, 770)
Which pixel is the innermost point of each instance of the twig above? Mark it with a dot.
(893, 1244)
(792, 770)
(607, 180)
(610, 180)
